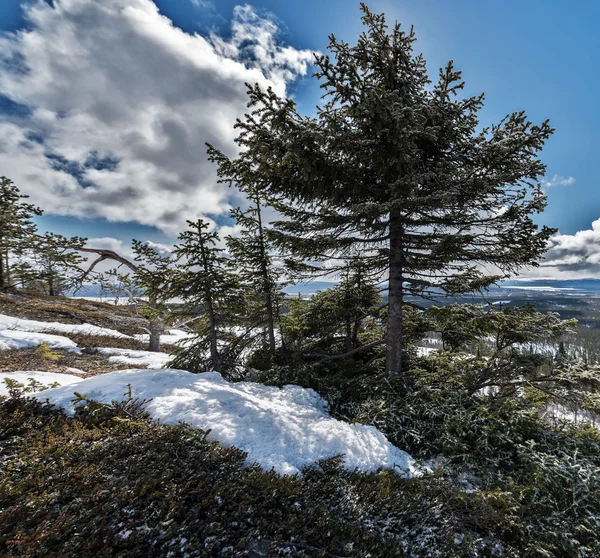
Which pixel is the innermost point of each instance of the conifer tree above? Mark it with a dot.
(210, 289)
(253, 260)
(399, 172)
(153, 271)
(56, 261)
(252, 250)
(16, 226)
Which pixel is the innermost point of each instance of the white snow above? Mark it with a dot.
(285, 429)
(169, 338)
(9, 322)
(13, 339)
(45, 378)
(426, 351)
(143, 358)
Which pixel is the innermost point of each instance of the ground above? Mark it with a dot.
(64, 310)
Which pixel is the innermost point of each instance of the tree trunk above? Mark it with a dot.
(267, 283)
(355, 331)
(395, 293)
(156, 328)
(8, 281)
(270, 323)
(214, 346)
(2, 283)
(348, 335)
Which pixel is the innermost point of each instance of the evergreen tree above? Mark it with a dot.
(335, 322)
(56, 261)
(16, 226)
(210, 291)
(253, 260)
(252, 250)
(398, 172)
(153, 272)
(23, 274)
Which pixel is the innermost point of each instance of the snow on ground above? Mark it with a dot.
(44, 378)
(169, 338)
(9, 322)
(13, 339)
(426, 351)
(143, 358)
(285, 429)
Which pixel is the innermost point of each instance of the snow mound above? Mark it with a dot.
(284, 429)
(143, 358)
(10, 322)
(13, 339)
(45, 378)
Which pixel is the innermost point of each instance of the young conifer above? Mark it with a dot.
(210, 290)
(57, 261)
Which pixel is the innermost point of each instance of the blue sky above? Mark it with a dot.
(535, 55)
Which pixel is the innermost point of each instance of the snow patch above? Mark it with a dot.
(44, 378)
(13, 339)
(284, 429)
(142, 358)
(10, 322)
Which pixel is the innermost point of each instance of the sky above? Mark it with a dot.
(106, 105)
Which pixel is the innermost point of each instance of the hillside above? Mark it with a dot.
(246, 469)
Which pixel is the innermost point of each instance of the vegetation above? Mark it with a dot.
(394, 189)
(395, 173)
(16, 225)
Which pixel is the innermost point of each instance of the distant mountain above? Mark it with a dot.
(569, 287)
(574, 286)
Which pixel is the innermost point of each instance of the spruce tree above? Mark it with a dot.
(153, 271)
(398, 172)
(16, 226)
(252, 251)
(209, 290)
(253, 260)
(56, 261)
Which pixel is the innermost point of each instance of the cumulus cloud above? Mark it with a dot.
(118, 104)
(573, 256)
(557, 180)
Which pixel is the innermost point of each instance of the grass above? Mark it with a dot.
(71, 311)
(108, 485)
(33, 359)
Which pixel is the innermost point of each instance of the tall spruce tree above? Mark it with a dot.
(398, 172)
(16, 226)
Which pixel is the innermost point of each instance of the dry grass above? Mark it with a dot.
(90, 341)
(72, 311)
(32, 359)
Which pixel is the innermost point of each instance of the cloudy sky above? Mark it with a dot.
(105, 105)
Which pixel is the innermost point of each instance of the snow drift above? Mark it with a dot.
(284, 429)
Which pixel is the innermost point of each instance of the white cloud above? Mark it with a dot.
(557, 180)
(124, 102)
(572, 256)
